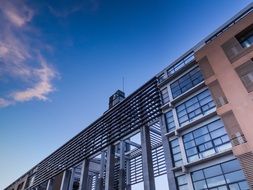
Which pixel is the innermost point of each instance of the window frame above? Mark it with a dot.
(186, 82)
(192, 143)
(223, 174)
(181, 109)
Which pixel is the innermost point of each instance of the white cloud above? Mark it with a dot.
(16, 12)
(20, 60)
(42, 88)
(4, 102)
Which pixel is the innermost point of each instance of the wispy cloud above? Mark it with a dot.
(16, 12)
(21, 58)
(73, 6)
(42, 88)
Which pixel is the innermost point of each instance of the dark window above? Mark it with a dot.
(182, 182)
(245, 72)
(205, 141)
(205, 67)
(165, 95)
(176, 153)
(245, 37)
(161, 78)
(218, 94)
(186, 82)
(170, 121)
(223, 176)
(198, 105)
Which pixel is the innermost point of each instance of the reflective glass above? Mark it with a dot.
(186, 82)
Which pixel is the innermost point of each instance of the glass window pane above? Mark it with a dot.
(212, 171)
(188, 137)
(215, 181)
(243, 185)
(202, 139)
(215, 125)
(231, 166)
(181, 180)
(218, 133)
(200, 185)
(198, 175)
(235, 176)
(193, 158)
(199, 132)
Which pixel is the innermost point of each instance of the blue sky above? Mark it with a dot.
(61, 60)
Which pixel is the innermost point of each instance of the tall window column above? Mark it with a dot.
(147, 163)
(109, 178)
(84, 175)
(167, 155)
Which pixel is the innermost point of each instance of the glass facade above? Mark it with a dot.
(170, 121)
(197, 105)
(165, 95)
(205, 141)
(182, 183)
(188, 59)
(176, 153)
(189, 80)
(224, 176)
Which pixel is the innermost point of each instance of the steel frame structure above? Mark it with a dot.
(140, 112)
(103, 156)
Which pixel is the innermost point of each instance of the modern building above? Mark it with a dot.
(188, 128)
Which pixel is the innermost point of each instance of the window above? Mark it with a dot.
(205, 141)
(186, 82)
(165, 95)
(218, 94)
(227, 175)
(245, 72)
(188, 59)
(161, 78)
(205, 67)
(198, 105)
(182, 183)
(170, 121)
(176, 153)
(245, 37)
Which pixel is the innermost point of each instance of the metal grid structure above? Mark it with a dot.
(141, 112)
(139, 109)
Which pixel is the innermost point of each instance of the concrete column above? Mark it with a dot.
(102, 169)
(147, 163)
(189, 181)
(109, 178)
(175, 118)
(128, 175)
(167, 155)
(122, 169)
(24, 184)
(128, 169)
(71, 181)
(84, 183)
(50, 184)
(169, 92)
(182, 150)
(65, 180)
